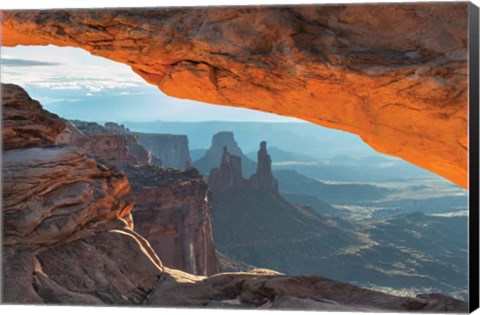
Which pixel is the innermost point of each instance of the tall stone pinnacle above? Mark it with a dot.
(228, 175)
(263, 179)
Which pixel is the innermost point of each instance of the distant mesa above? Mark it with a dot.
(107, 144)
(114, 127)
(169, 151)
(172, 150)
(162, 150)
(213, 156)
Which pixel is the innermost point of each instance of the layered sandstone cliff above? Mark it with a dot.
(143, 154)
(173, 214)
(67, 234)
(106, 145)
(172, 150)
(65, 218)
(25, 124)
(395, 74)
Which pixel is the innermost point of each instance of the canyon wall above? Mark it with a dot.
(106, 145)
(172, 150)
(173, 214)
(143, 153)
(394, 74)
(67, 233)
(25, 123)
(171, 210)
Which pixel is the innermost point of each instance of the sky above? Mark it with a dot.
(77, 85)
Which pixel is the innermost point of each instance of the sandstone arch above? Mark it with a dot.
(394, 74)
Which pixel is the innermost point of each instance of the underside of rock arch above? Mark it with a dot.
(394, 74)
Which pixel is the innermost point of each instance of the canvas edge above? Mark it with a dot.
(473, 79)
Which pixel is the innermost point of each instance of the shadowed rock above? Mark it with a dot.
(172, 212)
(263, 179)
(267, 289)
(228, 175)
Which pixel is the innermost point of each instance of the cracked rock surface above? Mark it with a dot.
(67, 233)
(65, 237)
(25, 123)
(394, 74)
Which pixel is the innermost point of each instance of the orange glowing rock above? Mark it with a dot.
(394, 74)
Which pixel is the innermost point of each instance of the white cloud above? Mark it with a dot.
(49, 100)
(68, 69)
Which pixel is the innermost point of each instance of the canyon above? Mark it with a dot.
(167, 150)
(172, 150)
(105, 145)
(394, 74)
(70, 236)
(172, 212)
(256, 223)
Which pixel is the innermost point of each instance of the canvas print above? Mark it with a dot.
(300, 157)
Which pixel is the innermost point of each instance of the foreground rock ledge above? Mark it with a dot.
(266, 289)
(394, 74)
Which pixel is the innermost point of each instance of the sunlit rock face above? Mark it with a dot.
(65, 217)
(395, 74)
(105, 144)
(25, 123)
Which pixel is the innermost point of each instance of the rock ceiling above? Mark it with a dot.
(394, 74)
